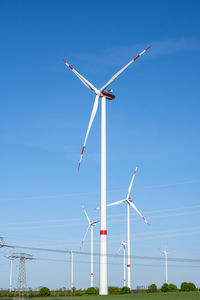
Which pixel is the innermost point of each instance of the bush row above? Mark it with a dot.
(185, 287)
(45, 292)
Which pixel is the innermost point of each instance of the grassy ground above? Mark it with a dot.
(158, 296)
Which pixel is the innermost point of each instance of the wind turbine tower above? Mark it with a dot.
(104, 95)
(11, 258)
(90, 226)
(123, 246)
(72, 270)
(165, 252)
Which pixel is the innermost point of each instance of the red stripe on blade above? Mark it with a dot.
(103, 232)
(70, 67)
(136, 57)
(128, 266)
(79, 166)
(83, 150)
(148, 48)
(64, 61)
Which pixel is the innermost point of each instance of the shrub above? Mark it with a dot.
(44, 291)
(79, 292)
(114, 290)
(165, 288)
(172, 288)
(192, 286)
(152, 288)
(125, 290)
(188, 286)
(91, 291)
(184, 287)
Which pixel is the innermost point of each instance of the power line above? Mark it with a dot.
(111, 263)
(186, 260)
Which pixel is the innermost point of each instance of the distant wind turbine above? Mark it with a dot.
(123, 246)
(129, 203)
(90, 226)
(11, 258)
(165, 252)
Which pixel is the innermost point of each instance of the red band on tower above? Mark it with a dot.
(103, 232)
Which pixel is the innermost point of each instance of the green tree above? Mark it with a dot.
(165, 288)
(192, 286)
(185, 287)
(172, 288)
(125, 290)
(91, 291)
(45, 291)
(152, 288)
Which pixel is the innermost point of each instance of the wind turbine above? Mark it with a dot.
(72, 270)
(129, 203)
(104, 95)
(165, 252)
(11, 258)
(90, 226)
(123, 246)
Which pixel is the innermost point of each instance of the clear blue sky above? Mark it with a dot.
(154, 121)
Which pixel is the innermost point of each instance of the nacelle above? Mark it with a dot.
(108, 94)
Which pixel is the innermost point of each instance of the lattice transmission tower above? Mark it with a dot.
(21, 290)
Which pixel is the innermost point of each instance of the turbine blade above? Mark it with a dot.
(124, 68)
(95, 222)
(116, 203)
(139, 213)
(130, 186)
(84, 237)
(119, 248)
(94, 110)
(112, 204)
(84, 80)
(86, 215)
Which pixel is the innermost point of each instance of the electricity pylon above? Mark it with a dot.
(21, 290)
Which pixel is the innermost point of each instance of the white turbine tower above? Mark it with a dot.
(104, 95)
(165, 252)
(90, 226)
(72, 270)
(123, 246)
(129, 203)
(11, 258)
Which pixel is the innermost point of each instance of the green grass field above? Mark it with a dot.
(156, 296)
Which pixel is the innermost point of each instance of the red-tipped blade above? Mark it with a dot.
(94, 110)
